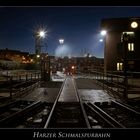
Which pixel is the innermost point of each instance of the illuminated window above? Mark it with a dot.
(119, 66)
(130, 35)
(130, 46)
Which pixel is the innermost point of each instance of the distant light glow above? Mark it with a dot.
(38, 56)
(85, 55)
(103, 32)
(61, 41)
(101, 40)
(69, 56)
(134, 24)
(72, 67)
(63, 51)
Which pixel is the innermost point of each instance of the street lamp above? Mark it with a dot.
(103, 32)
(42, 34)
(39, 35)
(101, 40)
(103, 35)
(38, 56)
(61, 41)
(73, 67)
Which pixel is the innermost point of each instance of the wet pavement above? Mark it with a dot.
(43, 94)
(83, 83)
(90, 91)
(94, 95)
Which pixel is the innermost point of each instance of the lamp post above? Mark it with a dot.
(61, 41)
(104, 35)
(39, 35)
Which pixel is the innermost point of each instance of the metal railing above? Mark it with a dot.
(113, 83)
(13, 82)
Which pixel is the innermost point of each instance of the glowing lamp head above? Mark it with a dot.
(38, 56)
(103, 33)
(134, 24)
(61, 41)
(101, 40)
(72, 67)
(42, 34)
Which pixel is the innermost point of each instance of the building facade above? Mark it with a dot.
(122, 44)
(12, 59)
(77, 64)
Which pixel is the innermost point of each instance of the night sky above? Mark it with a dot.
(79, 26)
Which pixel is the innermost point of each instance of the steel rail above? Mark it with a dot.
(112, 120)
(54, 105)
(82, 107)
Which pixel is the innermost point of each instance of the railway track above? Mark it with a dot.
(99, 119)
(67, 116)
(37, 117)
(18, 113)
(122, 115)
(88, 115)
(66, 113)
(13, 107)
